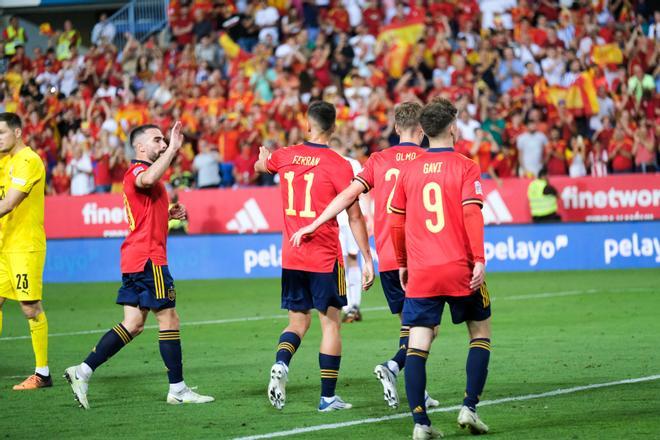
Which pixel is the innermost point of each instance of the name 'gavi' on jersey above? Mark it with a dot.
(431, 193)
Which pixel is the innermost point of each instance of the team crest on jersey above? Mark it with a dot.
(477, 187)
(138, 170)
(171, 293)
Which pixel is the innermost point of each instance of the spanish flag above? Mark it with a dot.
(548, 95)
(234, 53)
(607, 54)
(581, 97)
(399, 39)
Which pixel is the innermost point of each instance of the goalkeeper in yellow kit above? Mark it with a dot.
(23, 240)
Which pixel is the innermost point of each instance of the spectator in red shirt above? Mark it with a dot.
(244, 173)
(60, 180)
(372, 17)
(228, 139)
(182, 27)
(118, 167)
(101, 164)
(482, 150)
(555, 154)
(620, 152)
(503, 165)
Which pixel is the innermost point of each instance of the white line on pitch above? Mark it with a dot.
(553, 393)
(367, 309)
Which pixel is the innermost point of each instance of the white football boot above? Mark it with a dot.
(469, 419)
(78, 386)
(423, 432)
(187, 396)
(277, 385)
(388, 380)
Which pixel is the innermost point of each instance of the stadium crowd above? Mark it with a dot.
(570, 86)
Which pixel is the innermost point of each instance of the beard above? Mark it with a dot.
(153, 156)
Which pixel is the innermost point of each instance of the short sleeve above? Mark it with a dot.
(398, 204)
(472, 191)
(366, 176)
(343, 176)
(25, 172)
(274, 161)
(130, 177)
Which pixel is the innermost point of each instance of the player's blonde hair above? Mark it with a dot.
(406, 115)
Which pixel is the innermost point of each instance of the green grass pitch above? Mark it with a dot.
(553, 330)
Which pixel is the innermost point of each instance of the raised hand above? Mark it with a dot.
(176, 137)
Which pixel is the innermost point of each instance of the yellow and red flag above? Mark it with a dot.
(607, 54)
(233, 51)
(581, 97)
(399, 39)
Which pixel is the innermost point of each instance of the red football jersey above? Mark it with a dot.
(147, 211)
(380, 173)
(311, 175)
(431, 192)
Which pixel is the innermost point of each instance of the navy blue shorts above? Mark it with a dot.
(394, 294)
(427, 312)
(153, 288)
(302, 290)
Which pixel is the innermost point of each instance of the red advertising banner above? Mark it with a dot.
(252, 210)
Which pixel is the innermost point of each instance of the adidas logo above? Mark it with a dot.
(418, 409)
(248, 219)
(495, 210)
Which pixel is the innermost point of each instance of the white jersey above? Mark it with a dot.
(342, 217)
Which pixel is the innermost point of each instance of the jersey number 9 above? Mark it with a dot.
(432, 197)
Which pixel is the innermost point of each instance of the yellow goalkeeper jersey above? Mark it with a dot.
(23, 228)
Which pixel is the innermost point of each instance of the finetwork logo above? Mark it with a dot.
(495, 210)
(95, 215)
(248, 219)
(110, 216)
(530, 251)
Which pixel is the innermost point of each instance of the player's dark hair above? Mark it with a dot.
(12, 119)
(437, 116)
(406, 115)
(323, 114)
(137, 131)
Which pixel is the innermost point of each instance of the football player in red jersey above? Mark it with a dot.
(438, 235)
(380, 174)
(313, 275)
(146, 280)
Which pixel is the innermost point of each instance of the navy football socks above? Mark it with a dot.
(329, 373)
(476, 368)
(400, 356)
(416, 384)
(169, 342)
(109, 344)
(288, 344)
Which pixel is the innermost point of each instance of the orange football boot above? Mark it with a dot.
(33, 382)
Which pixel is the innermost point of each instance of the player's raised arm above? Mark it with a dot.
(342, 201)
(359, 230)
(150, 139)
